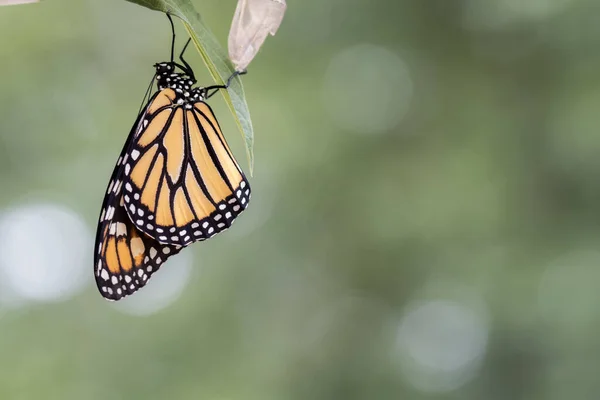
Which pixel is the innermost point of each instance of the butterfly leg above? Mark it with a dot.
(188, 70)
(172, 35)
(216, 88)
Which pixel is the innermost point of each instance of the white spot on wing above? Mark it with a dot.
(121, 229)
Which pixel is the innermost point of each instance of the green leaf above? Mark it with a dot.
(216, 60)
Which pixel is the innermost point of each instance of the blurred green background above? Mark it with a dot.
(425, 219)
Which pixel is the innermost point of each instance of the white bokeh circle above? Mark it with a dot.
(568, 291)
(441, 343)
(367, 89)
(163, 289)
(44, 251)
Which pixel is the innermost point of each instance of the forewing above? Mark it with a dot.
(182, 183)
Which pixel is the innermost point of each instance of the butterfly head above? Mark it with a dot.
(167, 77)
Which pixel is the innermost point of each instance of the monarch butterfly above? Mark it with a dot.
(176, 182)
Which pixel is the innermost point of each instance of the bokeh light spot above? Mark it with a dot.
(441, 343)
(367, 89)
(44, 252)
(575, 277)
(163, 289)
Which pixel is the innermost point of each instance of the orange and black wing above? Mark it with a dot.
(182, 183)
(124, 258)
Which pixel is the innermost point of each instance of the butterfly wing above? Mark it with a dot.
(182, 183)
(125, 258)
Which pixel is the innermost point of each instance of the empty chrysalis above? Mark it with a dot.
(13, 2)
(252, 22)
